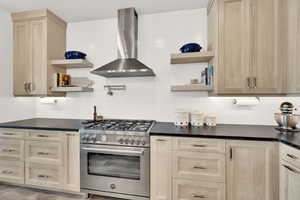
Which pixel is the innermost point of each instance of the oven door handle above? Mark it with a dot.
(114, 151)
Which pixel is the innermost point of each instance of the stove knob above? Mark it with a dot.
(126, 141)
(143, 142)
(137, 142)
(132, 141)
(121, 140)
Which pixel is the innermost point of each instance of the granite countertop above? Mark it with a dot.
(227, 131)
(45, 124)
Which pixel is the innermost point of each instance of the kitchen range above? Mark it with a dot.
(115, 158)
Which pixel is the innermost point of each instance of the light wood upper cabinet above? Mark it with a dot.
(252, 170)
(250, 46)
(161, 168)
(37, 34)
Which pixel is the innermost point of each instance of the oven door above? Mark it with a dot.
(123, 170)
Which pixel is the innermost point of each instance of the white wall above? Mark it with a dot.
(10, 108)
(150, 98)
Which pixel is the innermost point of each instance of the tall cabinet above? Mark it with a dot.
(38, 37)
(250, 41)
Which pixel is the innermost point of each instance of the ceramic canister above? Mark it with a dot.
(197, 119)
(182, 118)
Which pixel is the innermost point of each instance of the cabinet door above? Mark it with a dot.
(293, 46)
(289, 182)
(21, 67)
(72, 166)
(234, 68)
(161, 168)
(268, 72)
(38, 56)
(252, 170)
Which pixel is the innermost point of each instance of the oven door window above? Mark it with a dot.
(119, 166)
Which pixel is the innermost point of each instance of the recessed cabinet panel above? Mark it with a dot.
(234, 65)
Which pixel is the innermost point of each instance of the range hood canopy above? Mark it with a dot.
(127, 64)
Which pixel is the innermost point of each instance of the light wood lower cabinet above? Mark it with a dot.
(42, 159)
(213, 169)
(252, 170)
(161, 165)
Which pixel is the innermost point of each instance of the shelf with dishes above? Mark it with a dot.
(72, 63)
(66, 83)
(194, 57)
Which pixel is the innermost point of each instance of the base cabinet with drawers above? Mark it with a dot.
(41, 159)
(185, 168)
(289, 173)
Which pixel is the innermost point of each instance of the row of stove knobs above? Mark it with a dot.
(89, 138)
(132, 141)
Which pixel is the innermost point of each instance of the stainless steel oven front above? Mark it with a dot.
(116, 171)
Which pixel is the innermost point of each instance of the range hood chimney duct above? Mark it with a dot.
(127, 64)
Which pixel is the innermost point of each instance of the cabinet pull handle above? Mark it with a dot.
(25, 88)
(292, 156)
(199, 145)
(70, 134)
(230, 153)
(43, 176)
(160, 140)
(255, 82)
(248, 83)
(199, 196)
(29, 87)
(43, 136)
(43, 153)
(7, 172)
(8, 134)
(291, 169)
(199, 167)
(8, 150)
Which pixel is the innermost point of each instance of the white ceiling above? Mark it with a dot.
(83, 10)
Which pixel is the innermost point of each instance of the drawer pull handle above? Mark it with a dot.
(8, 134)
(199, 167)
(7, 172)
(292, 156)
(199, 196)
(199, 145)
(43, 176)
(291, 169)
(8, 150)
(43, 153)
(43, 136)
(160, 140)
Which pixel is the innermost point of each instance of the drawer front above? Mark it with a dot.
(44, 152)
(199, 145)
(13, 133)
(12, 171)
(44, 175)
(290, 154)
(46, 136)
(12, 148)
(199, 166)
(191, 190)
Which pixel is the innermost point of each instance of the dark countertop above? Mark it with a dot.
(227, 131)
(45, 124)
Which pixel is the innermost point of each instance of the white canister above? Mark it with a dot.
(197, 119)
(182, 118)
(210, 120)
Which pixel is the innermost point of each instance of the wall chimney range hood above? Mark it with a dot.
(127, 64)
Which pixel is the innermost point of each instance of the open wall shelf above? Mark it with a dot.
(197, 57)
(72, 63)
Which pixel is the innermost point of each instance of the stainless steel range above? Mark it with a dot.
(115, 158)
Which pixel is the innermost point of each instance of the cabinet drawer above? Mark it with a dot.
(199, 145)
(44, 152)
(12, 148)
(44, 175)
(200, 166)
(290, 154)
(12, 171)
(12, 133)
(46, 136)
(191, 190)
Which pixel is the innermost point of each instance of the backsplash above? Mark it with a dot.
(150, 97)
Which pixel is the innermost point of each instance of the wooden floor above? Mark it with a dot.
(21, 193)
